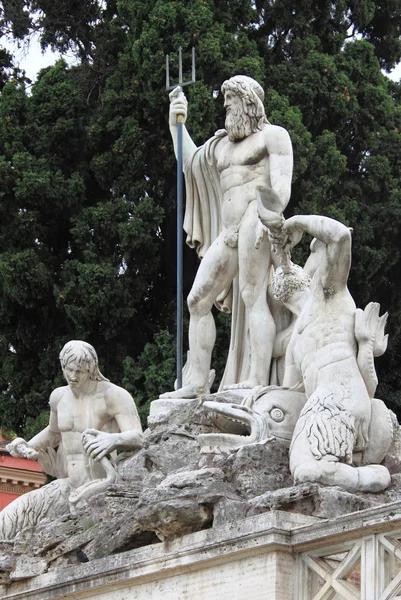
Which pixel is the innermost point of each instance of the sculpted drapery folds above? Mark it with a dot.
(221, 221)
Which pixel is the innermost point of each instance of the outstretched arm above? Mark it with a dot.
(179, 110)
(49, 437)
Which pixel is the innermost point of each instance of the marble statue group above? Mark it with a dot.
(238, 185)
(299, 346)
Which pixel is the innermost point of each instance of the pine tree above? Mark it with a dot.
(87, 171)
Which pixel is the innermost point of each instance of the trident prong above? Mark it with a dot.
(181, 83)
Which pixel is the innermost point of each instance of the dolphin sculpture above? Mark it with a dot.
(267, 413)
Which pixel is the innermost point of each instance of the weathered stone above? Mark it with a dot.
(229, 511)
(169, 489)
(189, 412)
(161, 409)
(257, 468)
(181, 503)
(28, 566)
(179, 449)
(294, 498)
(175, 517)
(203, 483)
(393, 457)
(133, 469)
(334, 502)
(7, 564)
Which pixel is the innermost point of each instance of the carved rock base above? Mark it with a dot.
(276, 555)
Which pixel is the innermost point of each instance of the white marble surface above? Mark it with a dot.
(89, 418)
(221, 221)
(331, 354)
(339, 432)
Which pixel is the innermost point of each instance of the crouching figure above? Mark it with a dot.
(89, 418)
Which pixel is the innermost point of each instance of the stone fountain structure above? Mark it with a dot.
(285, 484)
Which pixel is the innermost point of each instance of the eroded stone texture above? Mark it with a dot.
(169, 488)
(28, 566)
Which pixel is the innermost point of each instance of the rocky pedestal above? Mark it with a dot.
(170, 489)
(275, 555)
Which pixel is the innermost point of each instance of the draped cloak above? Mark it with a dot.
(203, 224)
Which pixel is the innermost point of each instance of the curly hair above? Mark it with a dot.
(284, 284)
(252, 96)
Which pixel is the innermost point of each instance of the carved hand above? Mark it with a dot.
(178, 107)
(274, 221)
(279, 239)
(97, 444)
(269, 206)
(20, 449)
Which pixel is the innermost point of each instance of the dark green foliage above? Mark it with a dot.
(78, 248)
(87, 171)
(152, 372)
(34, 426)
(5, 67)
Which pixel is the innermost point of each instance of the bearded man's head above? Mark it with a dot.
(248, 114)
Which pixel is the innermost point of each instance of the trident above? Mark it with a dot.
(180, 210)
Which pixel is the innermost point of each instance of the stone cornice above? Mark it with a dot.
(19, 478)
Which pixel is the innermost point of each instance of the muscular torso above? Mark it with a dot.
(323, 345)
(243, 166)
(324, 352)
(74, 415)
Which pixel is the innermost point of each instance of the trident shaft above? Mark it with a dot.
(180, 210)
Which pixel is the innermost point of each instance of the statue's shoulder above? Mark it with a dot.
(56, 395)
(272, 129)
(220, 133)
(277, 136)
(115, 394)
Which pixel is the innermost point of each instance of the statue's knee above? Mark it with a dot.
(248, 294)
(198, 306)
(254, 297)
(193, 302)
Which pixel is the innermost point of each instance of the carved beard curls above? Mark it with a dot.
(239, 125)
